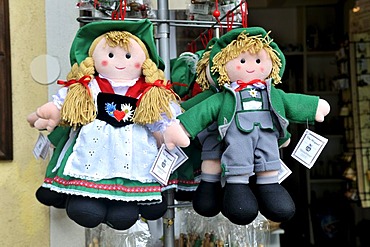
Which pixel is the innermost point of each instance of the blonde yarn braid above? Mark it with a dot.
(79, 108)
(201, 71)
(157, 99)
(243, 43)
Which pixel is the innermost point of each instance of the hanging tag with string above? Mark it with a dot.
(163, 165)
(166, 162)
(309, 148)
(41, 148)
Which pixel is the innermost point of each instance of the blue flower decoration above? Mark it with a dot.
(110, 108)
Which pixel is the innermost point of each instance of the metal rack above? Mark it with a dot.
(163, 24)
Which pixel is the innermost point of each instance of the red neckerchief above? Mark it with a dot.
(243, 84)
(134, 91)
(196, 90)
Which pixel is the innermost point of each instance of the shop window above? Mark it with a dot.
(6, 133)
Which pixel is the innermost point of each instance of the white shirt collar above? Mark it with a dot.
(126, 83)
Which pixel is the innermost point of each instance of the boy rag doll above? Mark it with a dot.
(252, 117)
(114, 103)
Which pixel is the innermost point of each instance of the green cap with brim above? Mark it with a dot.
(227, 38)
(183, 72)
(143, 29)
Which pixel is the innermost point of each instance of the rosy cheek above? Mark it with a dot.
(238, 67)
(104, 63)
(262, 70)
(137, 65)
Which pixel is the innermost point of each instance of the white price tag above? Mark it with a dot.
(284, 172)
(163, 165)
(309, 148)
(42, 146)
(181, 157)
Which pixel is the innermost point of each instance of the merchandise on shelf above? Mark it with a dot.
(137, 236)
(203, 10)
(117, 9)
(194, 230)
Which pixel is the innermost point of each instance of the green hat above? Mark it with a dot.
(227, 38)
(143, 29)
(183, 72)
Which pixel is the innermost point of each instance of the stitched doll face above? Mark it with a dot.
(248, 66)
(117, 63)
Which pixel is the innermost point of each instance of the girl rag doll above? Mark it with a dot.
(252, 117)
(114, 103)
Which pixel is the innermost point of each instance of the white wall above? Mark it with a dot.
(61, 27)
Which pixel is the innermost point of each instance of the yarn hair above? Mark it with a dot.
(243, 43)
(201, 71)
(78, 107)
(157, 99)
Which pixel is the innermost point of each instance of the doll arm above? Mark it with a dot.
(197, 99)
(301, 108)
(323, 109)
(193, 121)
(169, 131)
(46, 117)
(174, 135)
(201, 115)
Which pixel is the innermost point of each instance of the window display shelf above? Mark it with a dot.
(360, 91)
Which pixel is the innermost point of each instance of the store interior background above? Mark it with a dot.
(315, 37)
(311, 33)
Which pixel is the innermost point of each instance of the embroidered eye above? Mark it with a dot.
(111, 55)
(128, 55)
(242, 60)
(258, 61)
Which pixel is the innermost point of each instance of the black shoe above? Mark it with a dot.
(239, 204)
(121, 215)
(207, 200)
(274, 202)
(51, 198)
(85, 211)
(153, 211)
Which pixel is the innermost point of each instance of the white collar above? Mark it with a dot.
(125, 83)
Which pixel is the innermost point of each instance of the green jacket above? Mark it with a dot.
(221, 107)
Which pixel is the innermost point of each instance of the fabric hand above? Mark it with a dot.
(323, 109)
(46, 117)
(174, 135)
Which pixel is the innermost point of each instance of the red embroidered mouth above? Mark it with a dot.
(120, 68)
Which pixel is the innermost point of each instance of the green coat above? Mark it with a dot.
(221, 107)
